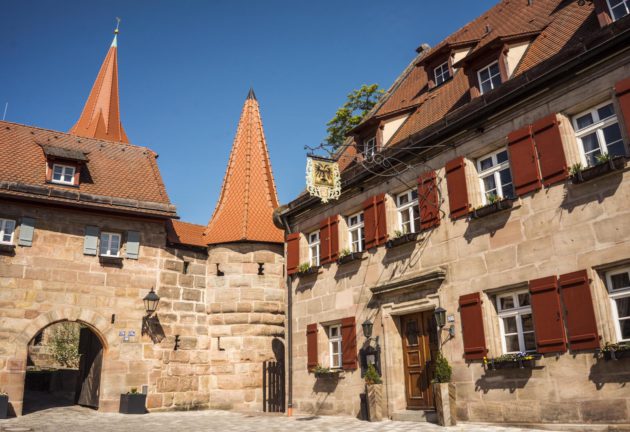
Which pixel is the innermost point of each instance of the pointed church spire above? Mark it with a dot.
(101, 114)
(248, 196)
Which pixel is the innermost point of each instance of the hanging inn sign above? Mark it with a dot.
(323, 179)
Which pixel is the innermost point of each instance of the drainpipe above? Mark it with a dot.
(289, 330)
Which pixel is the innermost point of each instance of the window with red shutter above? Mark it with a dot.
(553, 163)
(578, 311)
(375, 226)
(472, 327)
(457, 190)
(525, 175)
(311, 346)
(428, 201)
(548, 325)
(329, 239)
(293, 252)
(622, 90)
(349, 343)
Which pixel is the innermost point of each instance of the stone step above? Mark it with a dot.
(422, 416)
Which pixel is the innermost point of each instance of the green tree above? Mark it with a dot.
(358, 104)
(64, 344)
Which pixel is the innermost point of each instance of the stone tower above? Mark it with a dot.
(245, 296)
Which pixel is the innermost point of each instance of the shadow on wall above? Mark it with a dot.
(610, 372)
(152, 327)
(504, 379)
(578, 195)
(487, 225)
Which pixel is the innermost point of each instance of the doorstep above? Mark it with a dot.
(423, 416)
(557, 427)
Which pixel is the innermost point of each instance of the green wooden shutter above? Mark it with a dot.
(133, 244)
(91, 240)
(27, 229)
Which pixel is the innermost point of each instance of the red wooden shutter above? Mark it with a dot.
(374, 221)
(548, 325)
(349, 343)
(622, 90)
(472, 326)
(578, 311)
(523, 163)
(311, 346)
(293, 252)
(457, 190)
(329, 240)
(428, 201)
(553, 163)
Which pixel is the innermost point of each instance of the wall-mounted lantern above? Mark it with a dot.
(440, 316)
(151, 301)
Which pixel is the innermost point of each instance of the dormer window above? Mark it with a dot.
(441, 73)
(63, 174)
(369, 147)
(489, 77)
(619, 8)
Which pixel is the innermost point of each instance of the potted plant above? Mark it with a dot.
(605, 163)
(374, 392)
(494, 203)
(519, 360)
(133, 402)
(4, 404)
(346, 256)
(445, 392)
(306, 269)
(614, 351)
(325, 372)
(400, 238)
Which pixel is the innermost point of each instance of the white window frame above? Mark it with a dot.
(313, 246)
(109, 244)
(3, 227)
(615, 295)
(335, 340)
(495, 171)
(598, 127)
(626, 3)
(409, 208)
(64, 172)
(369, 147)
(489, 75)
(359, 228)
(516, 312)
(440, 74)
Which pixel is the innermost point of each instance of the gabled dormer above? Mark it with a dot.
(438, 64)
(609, 11)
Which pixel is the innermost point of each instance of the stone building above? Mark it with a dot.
(490, 182)
(87, 230)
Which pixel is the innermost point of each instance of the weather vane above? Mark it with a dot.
(117, 25)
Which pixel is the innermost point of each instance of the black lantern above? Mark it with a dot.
(367, 328)
(440, 316)
(151, 301)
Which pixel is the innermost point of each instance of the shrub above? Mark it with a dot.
(64, 344)
(372, 376)
(443, 370)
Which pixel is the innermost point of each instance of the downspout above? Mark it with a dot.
(289, 329)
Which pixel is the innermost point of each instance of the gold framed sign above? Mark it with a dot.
(323, 178)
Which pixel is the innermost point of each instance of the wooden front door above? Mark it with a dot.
(418, 342)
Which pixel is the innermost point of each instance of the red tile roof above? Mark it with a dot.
(248, 197)
(184, 233)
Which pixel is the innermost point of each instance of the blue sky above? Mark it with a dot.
(186, 66)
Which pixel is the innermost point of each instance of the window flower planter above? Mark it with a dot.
(4, 405)
(133, 403)
(405, 238)
(614, 164)
(327, 373)
(511, 361)
(614, 352)
(353, 256)
(309, 271)
(495, 207)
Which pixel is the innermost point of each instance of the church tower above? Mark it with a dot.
(246, 295)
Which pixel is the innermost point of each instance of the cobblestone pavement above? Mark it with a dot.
(77, 419)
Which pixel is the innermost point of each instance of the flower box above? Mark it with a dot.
(615, 352)
(404, 238)
(326, 373)
(353, 256)
(4, 406)
(495, 207)
(511, 362)
(310, 271)
(133, 403)
(614, 164)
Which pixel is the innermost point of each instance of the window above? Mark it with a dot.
(408, 212)
(489, 77)
(597, 131)
(495, 176)
(618, 282)
(63, 174)
(355, 231)
(515, 322)
(442, 73)
(369, 149)
(619, 8)
(313, 249)
(334, 346)
(110, 244)
(7, 228)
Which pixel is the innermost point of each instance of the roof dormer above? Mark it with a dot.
(63, 166)
(438, 64)
(609, 11)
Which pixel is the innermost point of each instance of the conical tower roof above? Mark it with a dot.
(248, 197)
(101, 114)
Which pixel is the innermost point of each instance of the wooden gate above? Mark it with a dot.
(273, 386)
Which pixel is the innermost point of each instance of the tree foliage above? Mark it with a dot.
(351, 113)
(64, 344)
